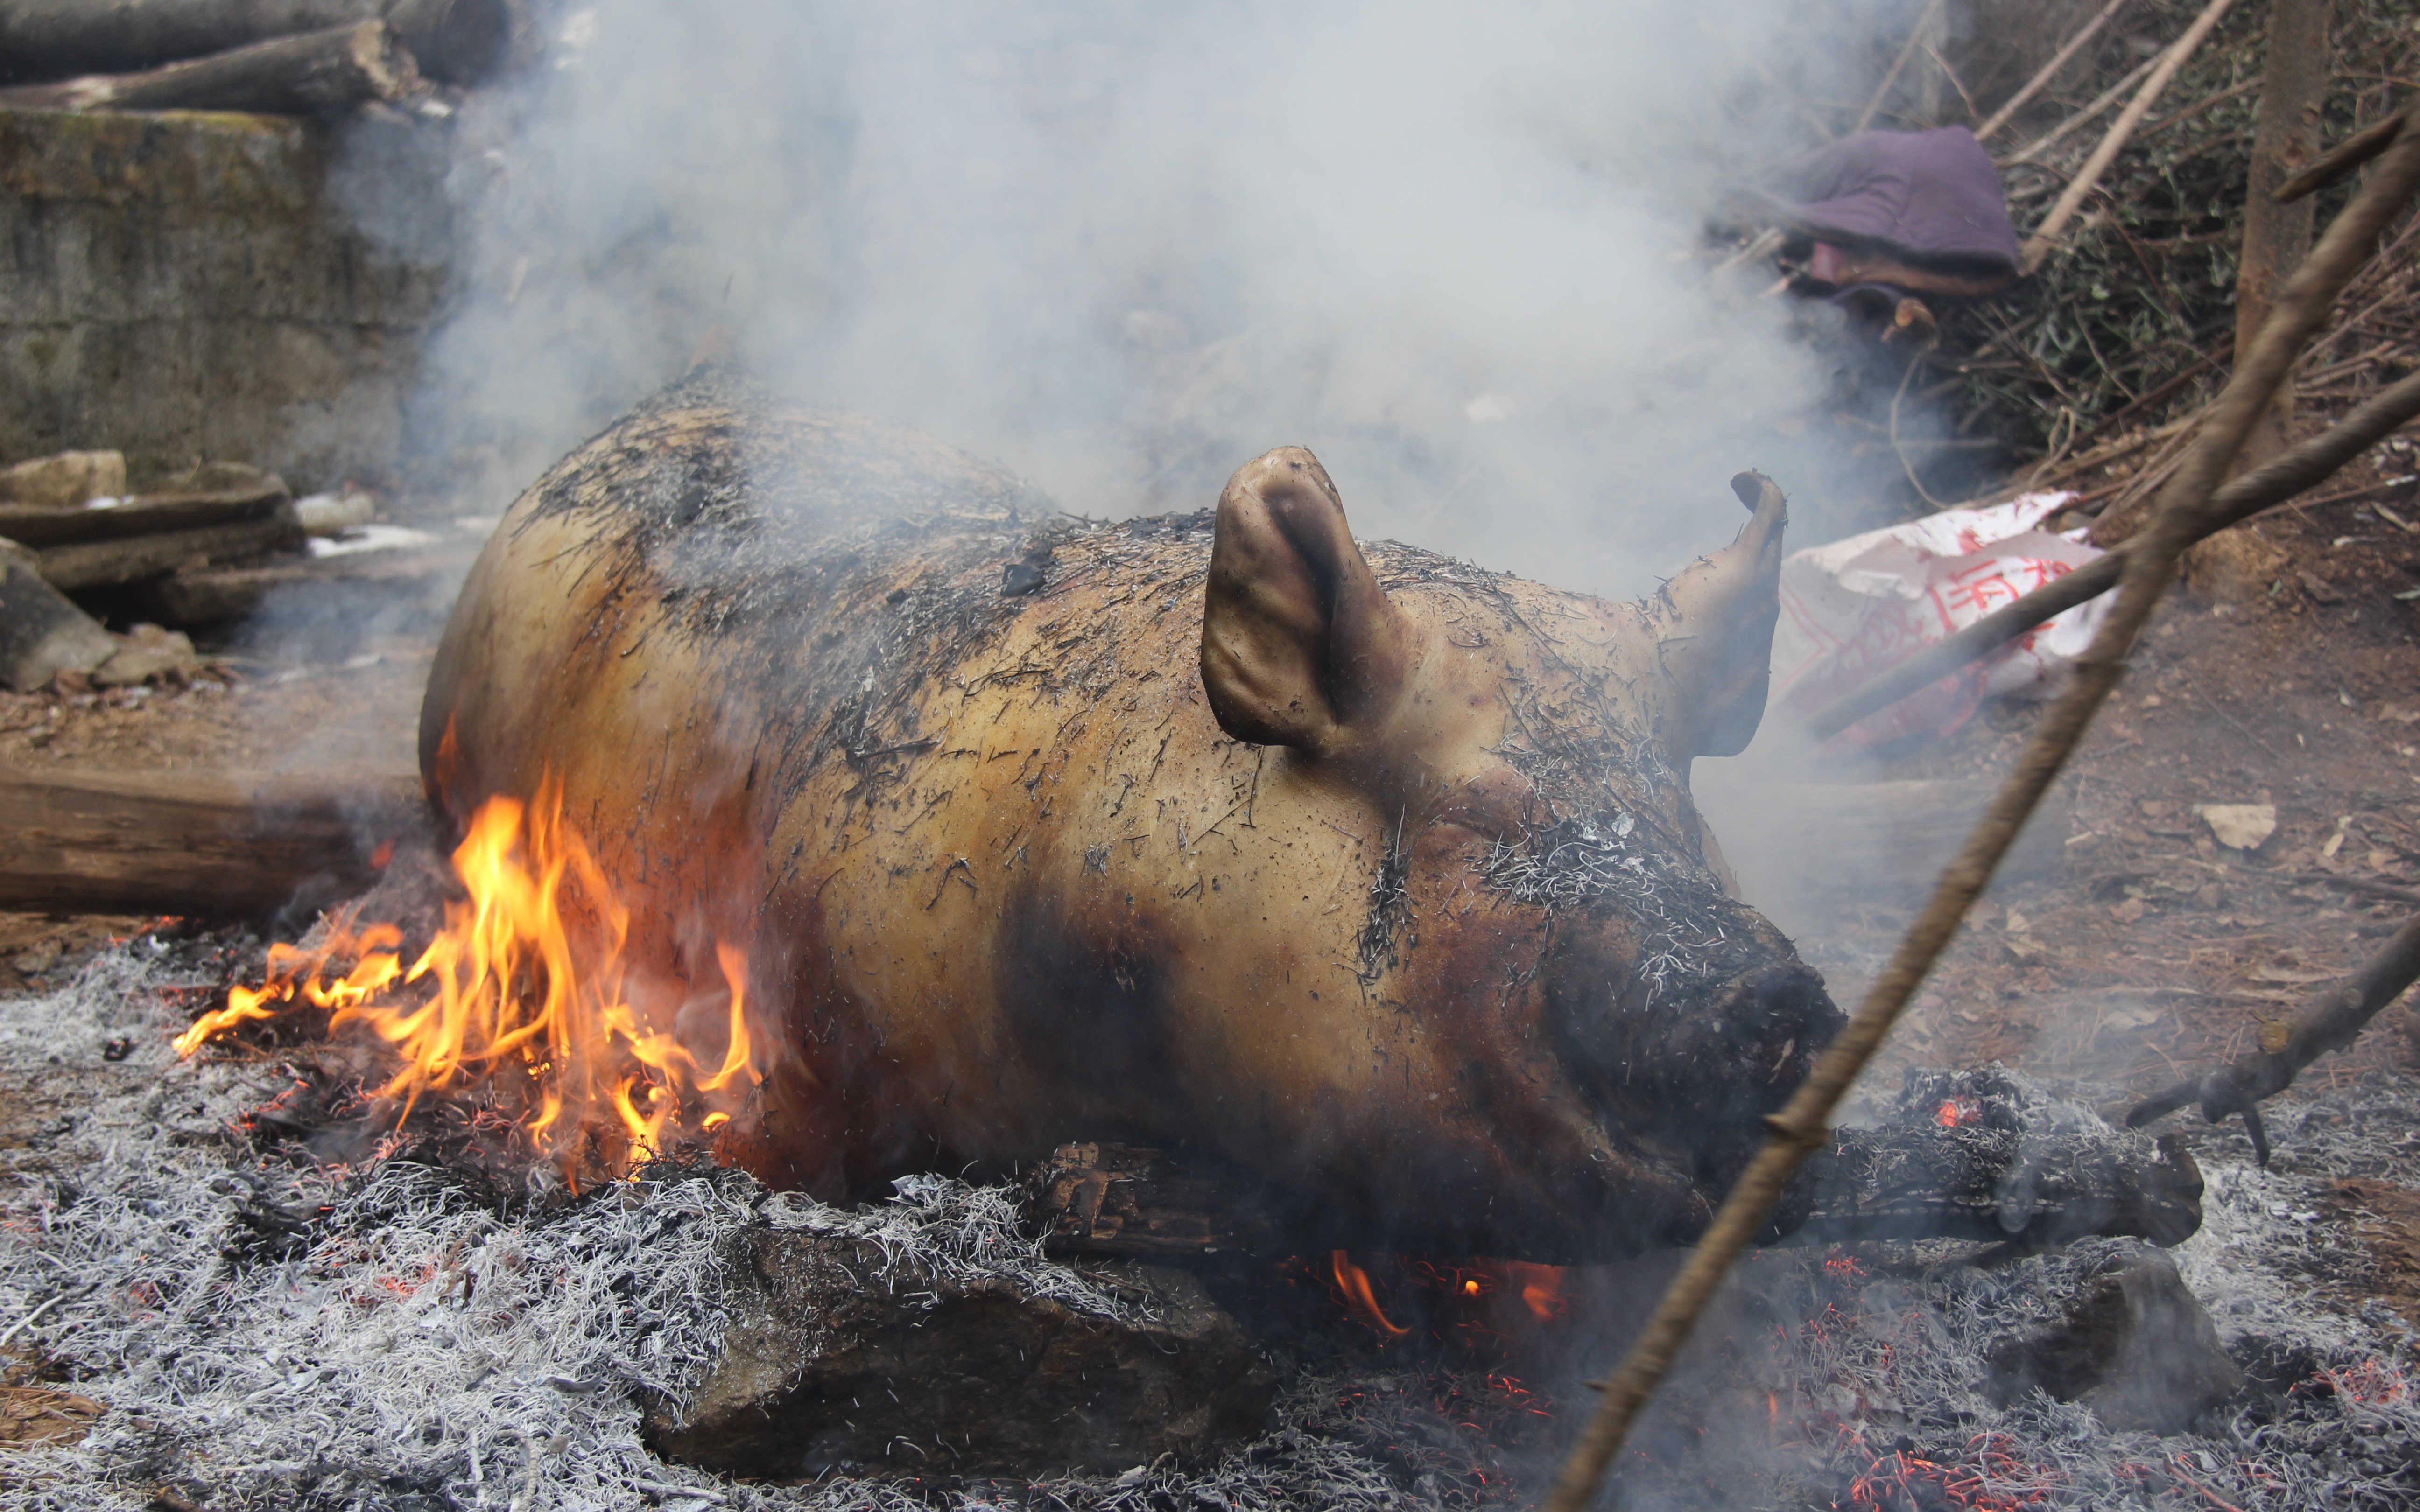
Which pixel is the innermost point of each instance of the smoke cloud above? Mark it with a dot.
(1122, 248)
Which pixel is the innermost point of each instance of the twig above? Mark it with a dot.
(2081, 117)
(1904, 465)
(22, 1324)
(2362, 885)
(1800, 1127)
(2049, 70)
(2342, 158)
(1951, 74)
(2301, 467)
(2331, 1022)
(1881, 91)
(2087, 177)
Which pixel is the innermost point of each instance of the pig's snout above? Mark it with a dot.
(1695, 1071)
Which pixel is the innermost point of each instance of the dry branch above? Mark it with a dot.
(2048, 71)
(2340, 160)
(2083, 117)
(2331, 1022)
(316, 73)
(2045, 236)
(208, 843)
(2303, 467)
(2150, 567)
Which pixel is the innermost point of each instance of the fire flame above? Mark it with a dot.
(1354, 1283)
(528, 974)
(1952, 1113)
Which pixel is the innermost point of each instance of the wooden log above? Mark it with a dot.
(454, 41)
(2342, 158)
(108, 563)
(143, 515)
(210, 845)
(317, 74)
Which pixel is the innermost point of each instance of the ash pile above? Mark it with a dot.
(200, 1311)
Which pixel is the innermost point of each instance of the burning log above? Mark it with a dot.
(312, 74)
(454, 41)
(208, 844)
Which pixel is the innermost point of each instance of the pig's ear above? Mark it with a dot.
(1299, 644)
(1717, 633)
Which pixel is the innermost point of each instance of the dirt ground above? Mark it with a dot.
(2151, 953)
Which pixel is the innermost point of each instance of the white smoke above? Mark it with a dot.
(1123, 248)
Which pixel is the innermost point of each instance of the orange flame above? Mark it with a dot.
(528, 974)
(1354, 1283)
(1952, 1113)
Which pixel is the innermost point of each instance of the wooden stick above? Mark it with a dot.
(2046, 235)
(214, 844)
(1801, 1126)
(2083, 117)
(316, 73)
(2301, 467)
(2340, 160)
(1881, 91)
(2048, 71)
(2331, 1022)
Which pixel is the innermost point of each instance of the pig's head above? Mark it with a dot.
(1567, 1029)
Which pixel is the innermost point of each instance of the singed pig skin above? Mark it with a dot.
(1436, 949)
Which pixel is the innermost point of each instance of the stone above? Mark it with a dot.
(42, 633)
(2133, 1342)
(840, 1358)
(2240, 826)
(66, 480)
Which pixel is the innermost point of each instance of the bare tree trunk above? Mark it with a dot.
(2284, 139)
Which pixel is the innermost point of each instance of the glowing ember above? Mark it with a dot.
(1954, 1113)
(525, 979)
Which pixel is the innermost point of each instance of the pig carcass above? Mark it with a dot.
(1368, 872)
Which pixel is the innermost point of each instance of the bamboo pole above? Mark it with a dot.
(2045, 236)
(2150, 567)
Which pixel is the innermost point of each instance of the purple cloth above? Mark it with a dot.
(1928, 196)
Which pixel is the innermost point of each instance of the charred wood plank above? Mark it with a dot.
(208, 845)
(456, 41)
(317, 74)
(213, 595)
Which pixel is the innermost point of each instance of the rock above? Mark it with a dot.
(66, 480)
(2240, 826)
(41, 633)
(828, 1364)
(2133, 1344)
(332, 513)
(149, 655)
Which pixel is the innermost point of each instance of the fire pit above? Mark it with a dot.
(258, 1326)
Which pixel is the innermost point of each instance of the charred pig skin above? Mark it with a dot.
(1366, 870)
